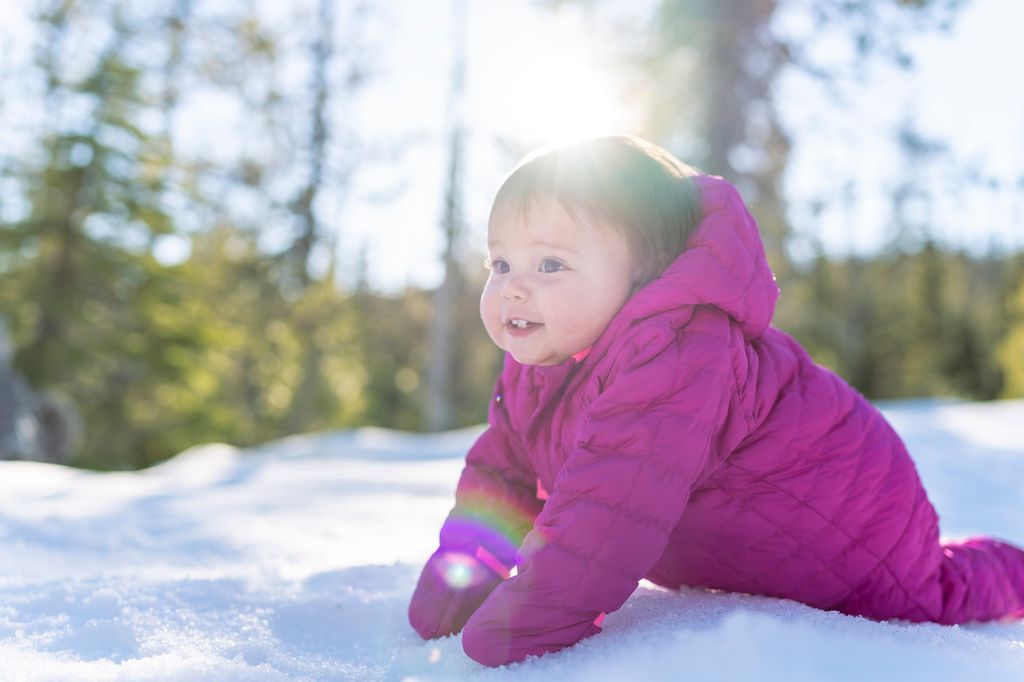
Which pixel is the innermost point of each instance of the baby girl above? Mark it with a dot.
(649, 423)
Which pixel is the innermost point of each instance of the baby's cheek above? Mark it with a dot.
(486, 302)
(490, 314)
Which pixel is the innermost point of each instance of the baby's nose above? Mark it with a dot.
(515, 290)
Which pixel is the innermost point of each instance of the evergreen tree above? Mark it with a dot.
(1011, 348)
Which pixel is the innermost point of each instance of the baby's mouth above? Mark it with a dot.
(521, 324)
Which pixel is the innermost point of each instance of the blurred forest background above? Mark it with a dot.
(243, 337)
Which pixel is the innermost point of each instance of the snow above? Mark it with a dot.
(295, 561)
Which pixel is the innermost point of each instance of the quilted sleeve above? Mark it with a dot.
(495, 505)
(620, 493)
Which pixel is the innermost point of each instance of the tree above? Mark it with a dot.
(161, 356)
(1011, 348)
(438, 395)
(708, 73)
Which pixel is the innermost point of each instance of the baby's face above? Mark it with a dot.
(555, 283)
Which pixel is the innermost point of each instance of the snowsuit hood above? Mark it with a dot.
(723, 265)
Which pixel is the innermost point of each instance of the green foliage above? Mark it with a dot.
(1011, 349)
(241, 344)
(394, 331)
(904, 324)
(155, 357)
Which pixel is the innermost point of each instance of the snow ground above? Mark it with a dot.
(295, 561)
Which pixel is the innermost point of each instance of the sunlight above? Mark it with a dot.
(553, 87)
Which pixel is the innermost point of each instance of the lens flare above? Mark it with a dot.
(491, 561)
(458, 570)
(499, 522)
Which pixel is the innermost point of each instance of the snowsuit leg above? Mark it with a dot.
(982, 579)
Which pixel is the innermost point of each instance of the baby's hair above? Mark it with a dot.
(624, 182)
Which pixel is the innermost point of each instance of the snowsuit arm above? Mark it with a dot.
(495, 505)
(614, 503)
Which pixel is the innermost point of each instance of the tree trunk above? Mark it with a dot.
(439, 399)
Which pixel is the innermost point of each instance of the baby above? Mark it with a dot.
(649, 423)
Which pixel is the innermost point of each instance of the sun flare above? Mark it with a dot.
(547, 81)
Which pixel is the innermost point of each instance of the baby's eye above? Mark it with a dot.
(498, 266)
(551, 265)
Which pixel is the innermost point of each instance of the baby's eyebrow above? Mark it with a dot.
(557, 246)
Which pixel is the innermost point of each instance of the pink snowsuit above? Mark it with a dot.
(693, 445)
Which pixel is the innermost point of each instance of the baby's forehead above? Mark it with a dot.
(543, 220)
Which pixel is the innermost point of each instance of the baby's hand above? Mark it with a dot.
(451, 588)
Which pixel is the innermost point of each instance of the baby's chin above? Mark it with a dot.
(523, 355)
(534, 360)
